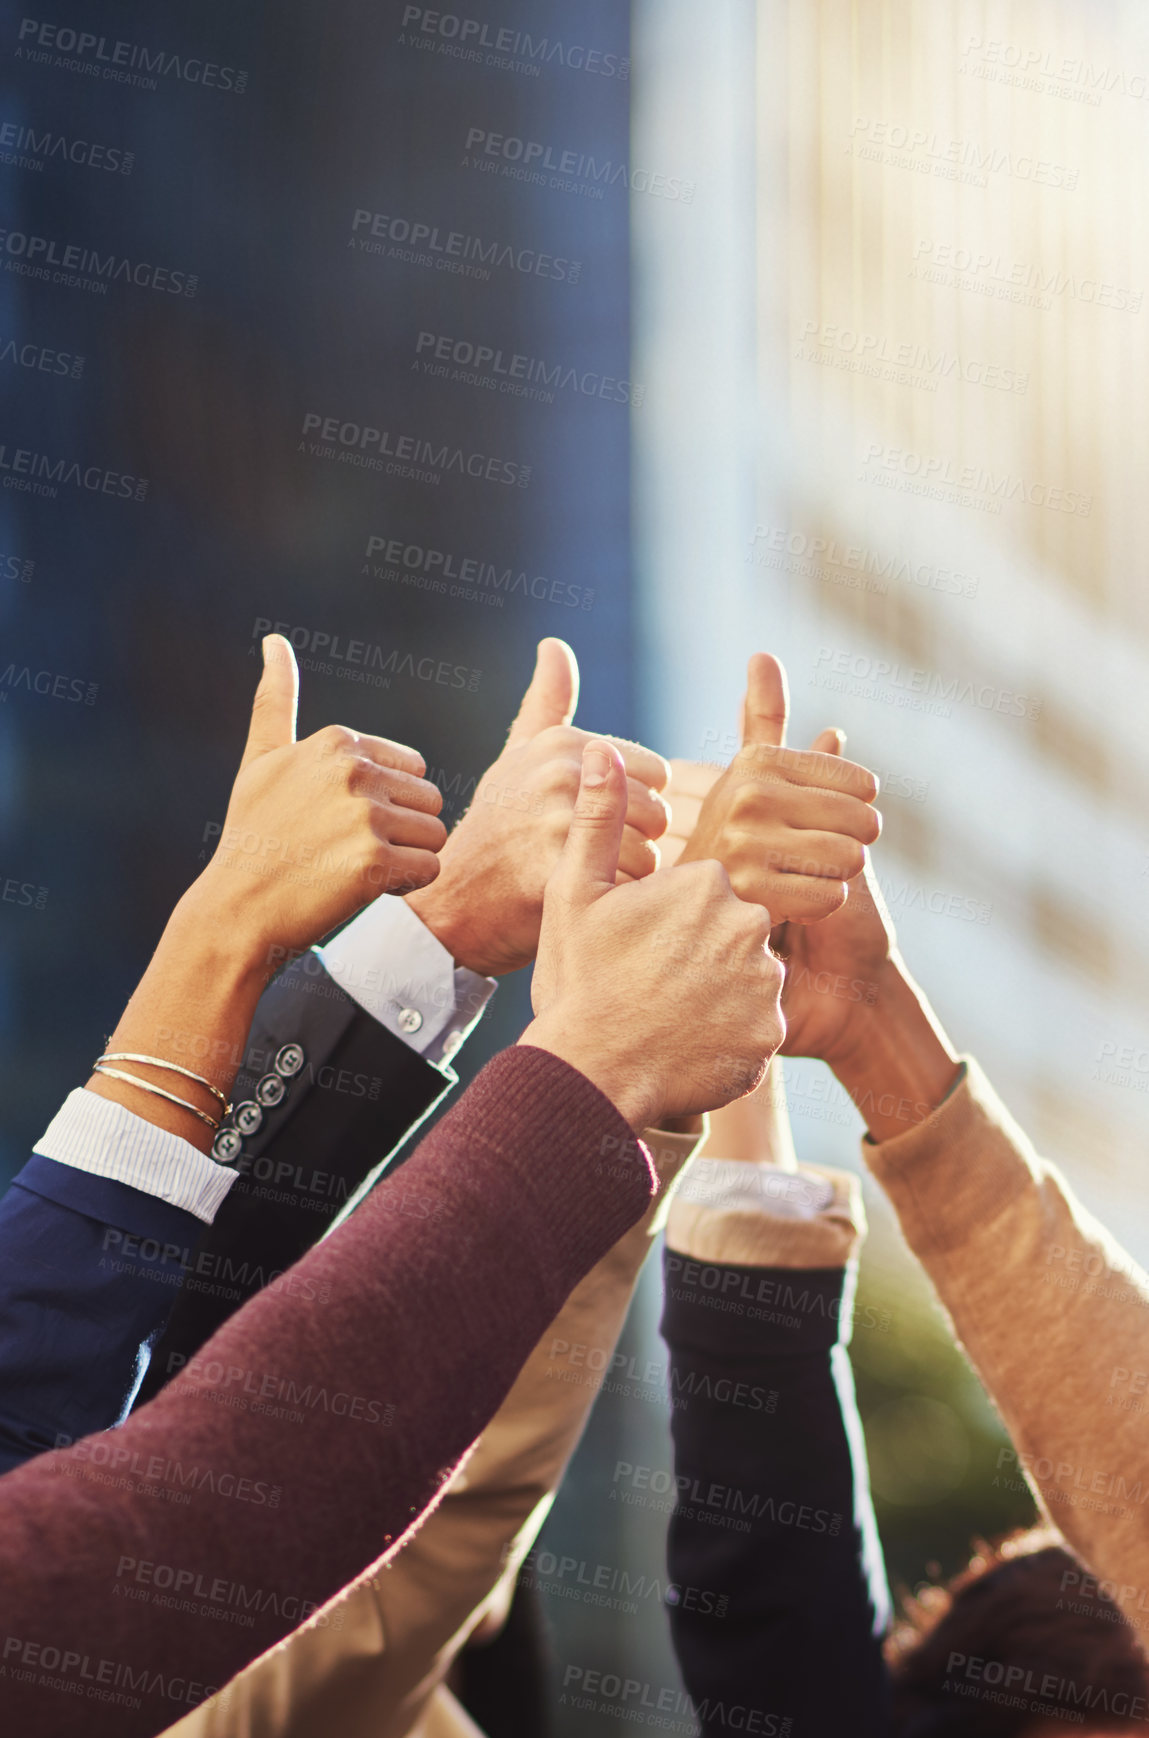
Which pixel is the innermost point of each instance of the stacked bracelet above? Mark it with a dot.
(100, 1067)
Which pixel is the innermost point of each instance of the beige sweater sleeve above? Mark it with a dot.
(371, 1665)
(1052, 1312)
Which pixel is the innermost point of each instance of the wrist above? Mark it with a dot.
(628, 1086)
(755, 1129)
(896, 1060)
(449, 915)
(223, 925)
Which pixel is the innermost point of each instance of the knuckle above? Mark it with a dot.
(747, 800)
(336, 739)
(712, 879)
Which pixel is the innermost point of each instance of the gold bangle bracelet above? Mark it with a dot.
(158, 1062)
(146, 1086)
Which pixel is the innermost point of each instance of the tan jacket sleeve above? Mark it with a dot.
(1053, 1313)
(371, 1664)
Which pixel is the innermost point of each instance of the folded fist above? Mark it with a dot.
(789, 826)
(487, 904)
(663, 991)
(316, 829)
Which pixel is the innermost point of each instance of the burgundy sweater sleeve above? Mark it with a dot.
(142, 1568)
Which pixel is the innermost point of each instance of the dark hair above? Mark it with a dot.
(1024, 1640)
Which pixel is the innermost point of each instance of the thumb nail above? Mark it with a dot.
(595, 766)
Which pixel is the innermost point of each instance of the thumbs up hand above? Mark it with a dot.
(316, 829)
(790, 826)
(487, 903)
(662, 991)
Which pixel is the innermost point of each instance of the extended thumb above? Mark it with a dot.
(553, 693)
(766, 708)
(589, 861)
(273, 709)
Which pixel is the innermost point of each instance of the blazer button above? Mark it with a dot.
(227, 1146)
(248, 1117)
(409, 1019)
(289, 1060)
(272, 1090)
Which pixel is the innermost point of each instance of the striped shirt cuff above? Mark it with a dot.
(93, 1134)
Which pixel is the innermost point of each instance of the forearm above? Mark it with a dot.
(771, 1549)
(193, 1006)
(896, 1061)
(420, 1609)
(353, 1477)
(1051, 1311)
(88, 1271)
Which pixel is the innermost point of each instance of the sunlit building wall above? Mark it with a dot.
(917, 472)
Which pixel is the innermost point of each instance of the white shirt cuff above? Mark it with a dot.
(388, 961)
(735, 1186)
(94, 1134)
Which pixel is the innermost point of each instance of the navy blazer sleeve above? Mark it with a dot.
(88, 1273)
(351, 1094)
(777, 1591)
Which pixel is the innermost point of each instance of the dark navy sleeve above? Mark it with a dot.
(89, 1270)
(777, 1590)
(325, 1097)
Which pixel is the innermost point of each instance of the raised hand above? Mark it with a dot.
(486, 905)
(835, 969)
(790, 827)
(663, 992)
(849, 1000)
(316, 829)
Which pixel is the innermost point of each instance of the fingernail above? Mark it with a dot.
(595, 766)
